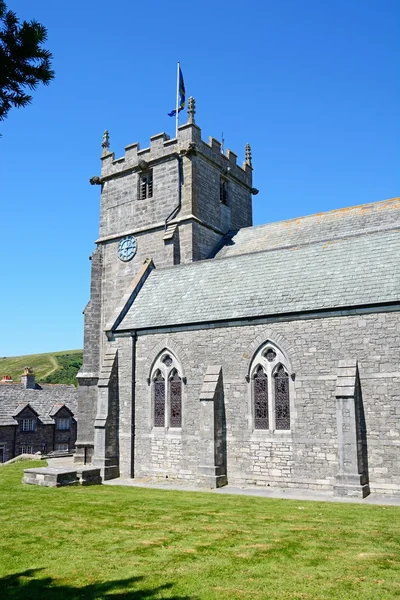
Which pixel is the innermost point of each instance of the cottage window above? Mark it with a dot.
(63, 424)
(270, 389)
(62, 447)
(146, 185)
(25, 450)
(27, 425)
(166, 392)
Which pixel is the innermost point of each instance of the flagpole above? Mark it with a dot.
(177, 100)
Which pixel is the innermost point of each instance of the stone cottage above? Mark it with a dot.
(219, 352)
(36, 418)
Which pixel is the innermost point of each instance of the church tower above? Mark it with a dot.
(171, 203)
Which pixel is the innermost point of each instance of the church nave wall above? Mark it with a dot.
(307, 454)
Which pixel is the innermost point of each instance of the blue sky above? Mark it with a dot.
(312, 85)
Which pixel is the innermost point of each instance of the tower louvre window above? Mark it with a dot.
(223, 191)
(146, 185)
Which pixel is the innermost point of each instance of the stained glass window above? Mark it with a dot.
(282, 405)
(260, 399)
(167, 392)
(176, 401)
(159, 400)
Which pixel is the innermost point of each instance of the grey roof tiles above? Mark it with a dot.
(343, 222)
(14, 397)
(325, 261)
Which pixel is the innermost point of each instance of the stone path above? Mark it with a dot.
(260, 492)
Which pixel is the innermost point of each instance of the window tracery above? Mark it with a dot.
(271, 389)
(167, 392)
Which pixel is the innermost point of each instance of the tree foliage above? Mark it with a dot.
(23, 62)
(69, 367)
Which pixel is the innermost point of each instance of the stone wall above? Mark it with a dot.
(122, 210)
(7, 441)
(305, 456)
(206, 196)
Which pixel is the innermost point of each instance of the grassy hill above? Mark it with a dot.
(52, 367)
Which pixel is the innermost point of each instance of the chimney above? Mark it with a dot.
(28, 379)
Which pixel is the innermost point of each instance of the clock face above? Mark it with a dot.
(127, 248)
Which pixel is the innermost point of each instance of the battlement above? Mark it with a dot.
(185, 182)
(162, 147)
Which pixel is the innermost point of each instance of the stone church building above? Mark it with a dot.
(216, 352)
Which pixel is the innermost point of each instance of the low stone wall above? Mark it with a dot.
(24, 457)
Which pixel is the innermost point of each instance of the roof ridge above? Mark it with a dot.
(327, 212)
(315, 242)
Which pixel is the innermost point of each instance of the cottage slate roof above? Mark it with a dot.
(14, 398)
(328, 261)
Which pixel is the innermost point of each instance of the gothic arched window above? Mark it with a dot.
(159, 400)
(260, 392)
(282, 405)
(270, 389)
(175, 393)
(166, 392)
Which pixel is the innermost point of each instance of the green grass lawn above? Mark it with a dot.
(114, 542)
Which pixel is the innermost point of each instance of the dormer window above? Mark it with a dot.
(63, 424)
(27, 425)
(146, 185)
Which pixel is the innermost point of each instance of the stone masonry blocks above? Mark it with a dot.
(307, 455)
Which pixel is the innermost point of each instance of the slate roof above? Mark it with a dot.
(343, 222)
(46, 400)
(333, 260)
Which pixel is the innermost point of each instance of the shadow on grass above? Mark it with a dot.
(26, 585)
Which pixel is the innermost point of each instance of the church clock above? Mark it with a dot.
(127, 248)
